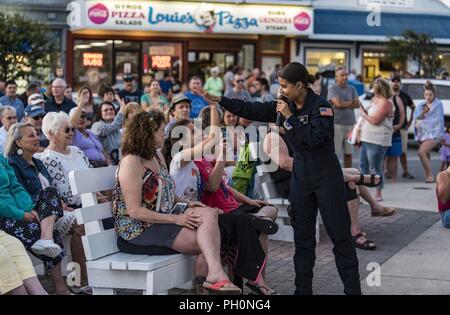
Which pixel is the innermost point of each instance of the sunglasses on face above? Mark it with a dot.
(83, 116)
(69, 129)
(11, 118)
(38, 117)
(240, 81)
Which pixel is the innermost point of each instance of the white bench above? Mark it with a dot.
(107, 268)
(285, 231)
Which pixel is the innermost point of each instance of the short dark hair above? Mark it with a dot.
(264, 82)
(105, 89)
(31, 86)
(10, 82)
(98, 112)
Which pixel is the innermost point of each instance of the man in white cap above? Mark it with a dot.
(214, 84)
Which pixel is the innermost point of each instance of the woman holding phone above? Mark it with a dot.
(376, 132)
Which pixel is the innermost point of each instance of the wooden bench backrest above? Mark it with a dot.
(97, 242)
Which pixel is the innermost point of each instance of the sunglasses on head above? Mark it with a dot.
(69, 129)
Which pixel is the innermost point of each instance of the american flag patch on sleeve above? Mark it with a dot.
(326, 111)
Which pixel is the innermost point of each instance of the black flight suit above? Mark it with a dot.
(317, 182)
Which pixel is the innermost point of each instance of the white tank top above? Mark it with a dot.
(377, 134)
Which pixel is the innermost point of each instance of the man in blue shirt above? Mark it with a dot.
(11, 99)
(197, 101)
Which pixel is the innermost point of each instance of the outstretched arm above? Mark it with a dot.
(264, 112)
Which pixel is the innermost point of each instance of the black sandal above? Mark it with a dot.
(366, 245)
(256, 289)
(264, 225)
(372, 181)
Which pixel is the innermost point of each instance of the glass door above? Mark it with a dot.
(126, 63)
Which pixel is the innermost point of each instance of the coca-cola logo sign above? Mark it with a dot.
(98, 13)
(302, 21)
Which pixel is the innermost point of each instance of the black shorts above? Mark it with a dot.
(247, 209)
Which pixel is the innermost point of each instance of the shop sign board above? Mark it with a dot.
(197, 17)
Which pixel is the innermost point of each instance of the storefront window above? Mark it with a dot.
(317, 59)
(92, 64)
(272, 44)
(375, 64)
(159, 58)
(246, 56)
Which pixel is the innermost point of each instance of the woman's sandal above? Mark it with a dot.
(371, 183)
(221, 288)
(386, 212)
(367, 245)
(264, 224)
(256, 289)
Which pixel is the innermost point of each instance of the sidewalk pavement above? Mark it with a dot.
(422, 267)
(412, 249)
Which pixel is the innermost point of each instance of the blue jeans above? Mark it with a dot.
(371, 158)
(445, 218)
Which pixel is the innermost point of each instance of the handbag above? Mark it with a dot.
(354, 136)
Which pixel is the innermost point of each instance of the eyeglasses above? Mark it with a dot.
(69, 129)
(11, 118)
(83, 116)
(38, 117)
(239, 81)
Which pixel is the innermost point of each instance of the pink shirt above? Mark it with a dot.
(222, 198)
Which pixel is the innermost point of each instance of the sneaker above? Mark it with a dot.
(407, 175)
(46, 248)
(65, 224)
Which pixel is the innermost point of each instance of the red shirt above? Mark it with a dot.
(443, 206)
(222, 198)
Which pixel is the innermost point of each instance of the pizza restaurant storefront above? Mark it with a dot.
(149, 38)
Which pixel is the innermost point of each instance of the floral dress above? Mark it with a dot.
(158, 194)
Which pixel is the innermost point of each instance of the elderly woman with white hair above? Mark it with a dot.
(60, 158)
(37, 229)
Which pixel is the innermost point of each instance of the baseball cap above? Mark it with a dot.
(34, 110)
(128, 78)
(178, 99)
(396, 78)
(35, 99)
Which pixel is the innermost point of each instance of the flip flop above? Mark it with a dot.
(386, 212)
(371, 183)
(256, 289)
(264, 224)
(221, 288)
(366, 245)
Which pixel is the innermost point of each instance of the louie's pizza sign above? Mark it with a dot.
(198, 17)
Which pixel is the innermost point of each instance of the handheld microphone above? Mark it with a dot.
(280, 97)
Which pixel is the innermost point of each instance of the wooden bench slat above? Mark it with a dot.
(82, 182)
(155, 262)
(120, 261)
(100, 244)
(93, 213)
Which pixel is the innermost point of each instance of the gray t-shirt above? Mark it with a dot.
(348, 93)
(242, 95)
